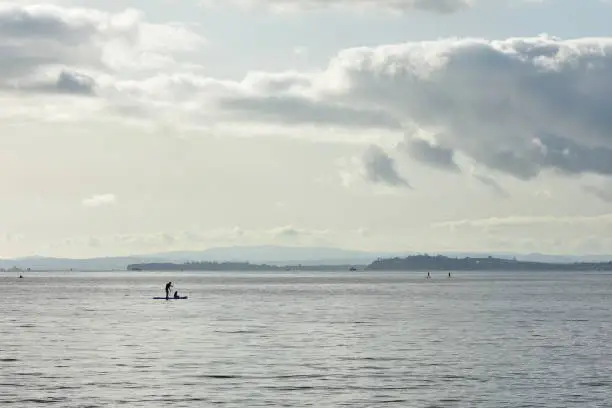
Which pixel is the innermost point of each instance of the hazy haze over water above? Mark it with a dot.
(317, 339)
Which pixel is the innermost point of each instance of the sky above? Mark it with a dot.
(140, 126)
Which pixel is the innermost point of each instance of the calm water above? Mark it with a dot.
(317, 339)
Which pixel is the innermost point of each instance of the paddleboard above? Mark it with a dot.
(170, 298)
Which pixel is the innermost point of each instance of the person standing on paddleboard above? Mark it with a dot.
(168, 286)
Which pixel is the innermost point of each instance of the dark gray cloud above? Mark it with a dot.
(550, 152)
(428, 153)
(520, 106)
(571, 157)
(380, 168)
(75, 83)
(67, 82)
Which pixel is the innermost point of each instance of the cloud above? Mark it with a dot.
(294, 233)
(488, 181)
(524, 221)
(295, 110)
(604, 194)
(491, 183)
(378, 167)
(520, 106)
(99, 200)
(431, 154)
(66, 46)
(397, 6)
(75, 83)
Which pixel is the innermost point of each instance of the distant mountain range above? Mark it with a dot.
(268, 254)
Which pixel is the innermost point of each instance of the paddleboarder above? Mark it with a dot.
(168, 286)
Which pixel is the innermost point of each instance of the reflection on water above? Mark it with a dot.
(318, 339)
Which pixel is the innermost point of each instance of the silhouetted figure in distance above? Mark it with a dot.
(168, 286)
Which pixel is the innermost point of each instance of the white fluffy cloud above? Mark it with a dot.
(127, 102)
(519, 106)
(399, 6)
(99, 200)
(50, 47)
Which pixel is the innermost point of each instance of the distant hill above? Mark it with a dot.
(236, 266)
(276, 255)
(271, 255)
(265, 254)
(444, 263)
